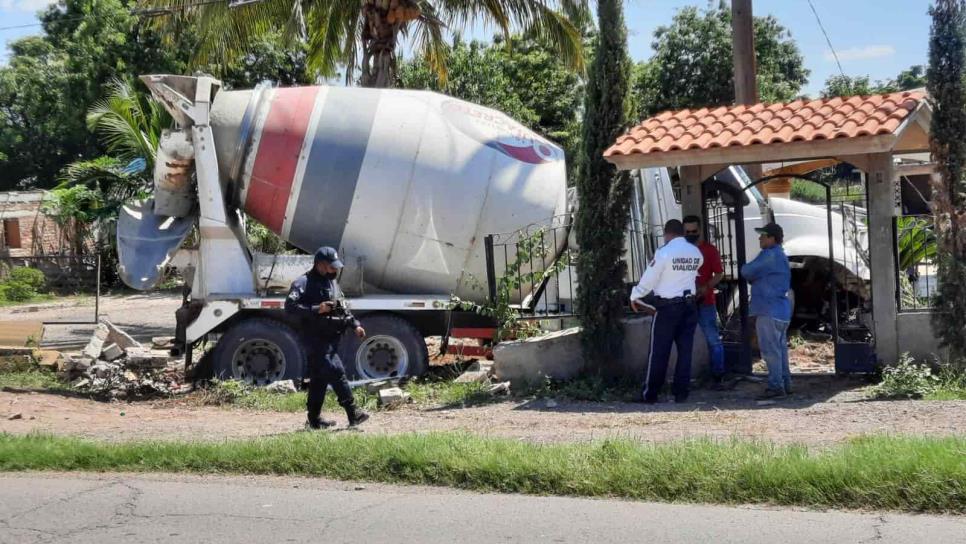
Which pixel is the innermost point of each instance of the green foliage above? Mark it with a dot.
(364, 36)
(874, 473)
(521, 77)
(262, 240)
(22, 285)
(692, 65)
(602, 215)
(952, 384)
(947, 138)
(906, 379)
(842, 85)
(270, 58)
(31, 277)
(51, 81)
(531, 247)
(128, 123)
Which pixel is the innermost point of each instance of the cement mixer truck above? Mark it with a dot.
(406, 184)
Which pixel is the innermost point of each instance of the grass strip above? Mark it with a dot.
(891, 473)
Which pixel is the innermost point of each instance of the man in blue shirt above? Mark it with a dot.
(770, 278)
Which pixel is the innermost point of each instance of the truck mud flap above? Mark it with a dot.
(145, 242)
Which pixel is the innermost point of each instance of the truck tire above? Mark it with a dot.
(393, 348)
(259, 351)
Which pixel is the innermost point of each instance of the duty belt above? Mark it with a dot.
(658, 302)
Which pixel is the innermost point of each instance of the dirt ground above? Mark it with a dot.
(823, 411)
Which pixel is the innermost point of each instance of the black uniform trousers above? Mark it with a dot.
(673, 323)
(325, 369)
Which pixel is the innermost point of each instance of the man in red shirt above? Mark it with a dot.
(709, 275)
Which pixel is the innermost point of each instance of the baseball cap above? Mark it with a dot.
(773, 230)
(329, 255)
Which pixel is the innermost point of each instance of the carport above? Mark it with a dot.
(867, 132)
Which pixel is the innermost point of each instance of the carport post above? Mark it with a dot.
(883, 193)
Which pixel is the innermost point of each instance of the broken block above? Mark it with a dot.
(392, 396)
(96, 344)
(139, 357)
(112, 352)
(479, 376)
(283, 386)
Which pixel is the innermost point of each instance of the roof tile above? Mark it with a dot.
(796, 121)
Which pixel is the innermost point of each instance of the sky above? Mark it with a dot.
(878, 38)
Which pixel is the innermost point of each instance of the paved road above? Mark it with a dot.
(165, 508)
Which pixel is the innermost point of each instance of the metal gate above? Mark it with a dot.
(837, 297)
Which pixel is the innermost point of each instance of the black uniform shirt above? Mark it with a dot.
(305, 297)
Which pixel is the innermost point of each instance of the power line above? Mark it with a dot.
(827, 40)
(143, 12)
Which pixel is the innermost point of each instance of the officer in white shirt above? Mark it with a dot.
(666, 291)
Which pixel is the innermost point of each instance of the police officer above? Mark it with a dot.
(316, 298)
(666, 291)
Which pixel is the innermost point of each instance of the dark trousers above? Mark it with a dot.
(325, 369)
(673, 323)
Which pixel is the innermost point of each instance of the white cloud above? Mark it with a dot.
(862, 53)
(29, 6)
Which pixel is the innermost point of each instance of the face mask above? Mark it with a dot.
(331, 276)
(692, 238)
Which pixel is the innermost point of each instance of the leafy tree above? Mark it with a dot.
(947, 60)
(344, 32)
(843, 85)
(524, 79)
(692, 64)
(604, 192)
(268, 59)
(52, 80)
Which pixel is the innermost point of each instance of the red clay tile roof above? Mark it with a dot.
(764, 124)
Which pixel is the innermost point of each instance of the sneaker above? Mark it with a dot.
(769, 394)
(788, 390)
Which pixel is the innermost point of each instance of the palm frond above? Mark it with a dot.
(430, 41)
(336, 30)
(129, 125)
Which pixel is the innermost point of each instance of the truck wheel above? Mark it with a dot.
(259, 351)
(393, 348)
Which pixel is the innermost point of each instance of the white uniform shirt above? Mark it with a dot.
(672, 272)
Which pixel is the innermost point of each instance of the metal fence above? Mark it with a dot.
(535, 267)
(916, 273)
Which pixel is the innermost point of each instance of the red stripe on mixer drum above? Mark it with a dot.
(273, 171)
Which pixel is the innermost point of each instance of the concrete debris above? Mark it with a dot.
(469, 376)
(112, 352)
(392, 397)
(119, 337)
(48, 359)
(18, 415)
(122, 368)
(374, 388)
(162, 342)
(12, 351)
(140, 357)
(502, 388)
(282, 387)
(96, 344)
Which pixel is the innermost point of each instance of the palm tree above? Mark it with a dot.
(367, 33)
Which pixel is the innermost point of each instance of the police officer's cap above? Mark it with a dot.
(328, 255)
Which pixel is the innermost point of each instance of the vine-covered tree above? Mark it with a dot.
(947, 59)
(604, 192)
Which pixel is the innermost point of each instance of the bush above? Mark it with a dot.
(16, 291)
(906, 380)
(29, 276)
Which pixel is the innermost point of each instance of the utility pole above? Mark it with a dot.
(746, 92)
(743, 45)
